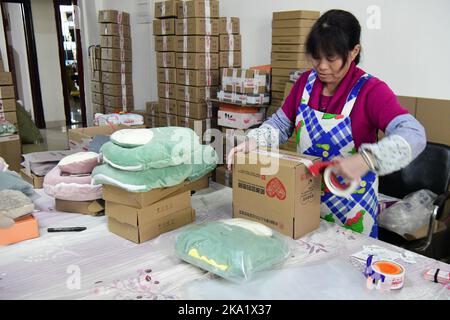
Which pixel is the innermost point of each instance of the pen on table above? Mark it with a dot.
(67, 229)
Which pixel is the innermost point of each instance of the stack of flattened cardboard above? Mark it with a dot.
(197, 63)
(230, 55)
(10, 146)
(289, 32)
(116, 61)
(95, 55)
(140, 217)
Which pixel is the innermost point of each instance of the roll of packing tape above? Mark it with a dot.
(393, 272)
(337, 188)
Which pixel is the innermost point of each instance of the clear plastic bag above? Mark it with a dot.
(234, 249)
(409, 214)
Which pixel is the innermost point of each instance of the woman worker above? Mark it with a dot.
(335, 111)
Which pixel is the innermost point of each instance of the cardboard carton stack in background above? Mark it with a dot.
(116, 61)
(230, 55)
(289, 32)
(10, 146)
(95, 54)
(197, 64)
(166, 13)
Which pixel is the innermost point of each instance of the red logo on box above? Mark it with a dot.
(275, 188)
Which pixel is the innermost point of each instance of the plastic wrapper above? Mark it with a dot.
(409, 214)
(128, 119)
(234, 249)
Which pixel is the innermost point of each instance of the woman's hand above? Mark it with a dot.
(351, 168)
(248, 145)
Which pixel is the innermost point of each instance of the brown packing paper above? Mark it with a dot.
(167, 91)
(112, 29)
(10, 151)
(197, 26)
(116, 54)
(197, 44)
(289, 40)
(164, 27)
(195, 94)
(287, 201)
(198, 78)
(6, 79)
(166, 9)
(197, 61)
(229, 25)
(7, 105)
(116, 66)
(294, 23)
(115, 42)
(117, 78)
(230, 42)
(167, 106)
(165, 59)
(230, 59)
(117, 90)
(147, 232)
(298, 14)
(166, 75)
(7, 92)
(114, 16)
(292, 56)
(165, 43)
(191, 9)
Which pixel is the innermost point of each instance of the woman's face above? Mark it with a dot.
(333, 69)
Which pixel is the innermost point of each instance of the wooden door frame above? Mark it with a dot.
(33, 68)
(79, 58)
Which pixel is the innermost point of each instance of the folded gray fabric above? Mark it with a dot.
(10, 180)
(13, 204)
(97, 143)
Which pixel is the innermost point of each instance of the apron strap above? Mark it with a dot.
(308, 87)
(351, 99)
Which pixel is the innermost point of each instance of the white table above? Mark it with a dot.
(96, 264)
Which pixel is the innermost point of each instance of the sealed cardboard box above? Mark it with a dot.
(201, 127)
(117, 78)
(229, 25)
(282, 72)
(36, 181)
(293, 23)
(277, 102)
(198, 8)
(197, 26)
(409, 103)
(197, 61)
(297, 14)
(238, 120)
(198, 78)
(434, 115)
(165, 59)
(167, 106)
(123, 102)
(287, 89)
(91, 208)
(25, 228)
(285, 196)
(245, 80)
(195, 94)
(289, 40)
(165, 43)
(97, 98)
(98, 108)
(197, 44)
(157, 227)
(7, 92)
(115, 42)
(117, 66)
(230, 42)
(112, 29)
(11, 151)
(6, 79)
(150, 121)
(291, 64)
(97, 64)
(288, 48)
(151, 107)
(113, 16)
(10, 116)
(167, 91)
(117, 90)
(167, 120)
(7, 105)
(292, 56)
(167, 75)
(116, 54)
(96, 75)
(224, 176)
(277, 95)
(230, 59)
(194, 110)
(282, 32)
(280, 81)
(164, 27)
(166, 9)
(96, 86)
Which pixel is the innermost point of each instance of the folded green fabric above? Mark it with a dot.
(234, 249)
(204, 160)
(142, 149)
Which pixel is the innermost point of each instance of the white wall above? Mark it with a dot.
(48, 60)
(3, 43)
(18, 44)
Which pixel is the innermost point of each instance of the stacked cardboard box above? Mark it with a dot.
(95, 54)
(10, 147)
(116, 61)
(140, 217)
(230, 55)
(289, 32)
(197, 65)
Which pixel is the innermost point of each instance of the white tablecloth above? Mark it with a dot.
(96, 264)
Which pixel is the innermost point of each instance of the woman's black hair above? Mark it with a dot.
(335, 33)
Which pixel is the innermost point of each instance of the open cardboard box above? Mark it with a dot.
(36, 181)
(92, 208)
